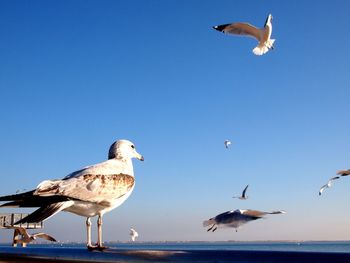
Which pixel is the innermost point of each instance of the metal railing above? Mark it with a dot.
(9, 220)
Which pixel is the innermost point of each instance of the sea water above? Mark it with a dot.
(305, 246)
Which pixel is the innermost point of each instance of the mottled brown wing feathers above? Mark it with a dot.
(244, 29)
(97, 187)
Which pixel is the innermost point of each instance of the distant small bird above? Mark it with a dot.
(243, 196)
(133, 234)
(236, 218)
(245, 29)
(328, 185)
(227, 143)
(27, 238)
(344, 172)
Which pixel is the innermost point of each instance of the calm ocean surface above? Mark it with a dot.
(336, 246)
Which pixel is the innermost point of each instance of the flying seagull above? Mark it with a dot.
(245, 29)
(133, 234)
(227, 143)
(27, 238)
(91, 191)
(328, 184)
(243, 196)
(236, 218)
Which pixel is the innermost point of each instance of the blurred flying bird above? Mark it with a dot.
(133, 234)
(328, 184)
(227, 143)
(27, 238)
(243, 196)
(245, 29)
(236, 218)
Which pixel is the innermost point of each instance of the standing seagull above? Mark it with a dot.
(133, 234)
(27, 238)
(91, 191)
(227, 143)
(328, 185)
(243, 196)
(245, 29)
(236, 218)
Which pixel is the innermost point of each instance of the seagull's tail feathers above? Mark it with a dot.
(28, 199)
(12, 204)
(45, 212)
(45, 236)
(16, 197)
(208, 222)
(263, 48)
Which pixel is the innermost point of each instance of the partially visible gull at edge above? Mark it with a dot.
(91, 191)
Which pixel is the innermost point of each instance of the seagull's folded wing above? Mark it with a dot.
(97, 187)
(244, 29)
(97, 183)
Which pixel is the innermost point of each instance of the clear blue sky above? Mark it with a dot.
(77, 75)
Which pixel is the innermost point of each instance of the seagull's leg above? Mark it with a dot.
(211, 228)
(215, 229)
(88, 231)
(99, 233)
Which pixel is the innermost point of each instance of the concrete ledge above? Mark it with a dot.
(29, 255)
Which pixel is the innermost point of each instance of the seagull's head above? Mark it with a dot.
(123, 149)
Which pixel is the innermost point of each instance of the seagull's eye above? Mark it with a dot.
(132, 146)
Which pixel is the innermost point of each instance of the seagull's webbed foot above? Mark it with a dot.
(96, 247)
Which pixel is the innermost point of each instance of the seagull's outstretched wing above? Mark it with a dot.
(276, 212)
(344, 172)
(256, 213)
(334, 178)
(322, 189)
(44, 236)
(253, 213)
(244, 191)
(243, 29)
